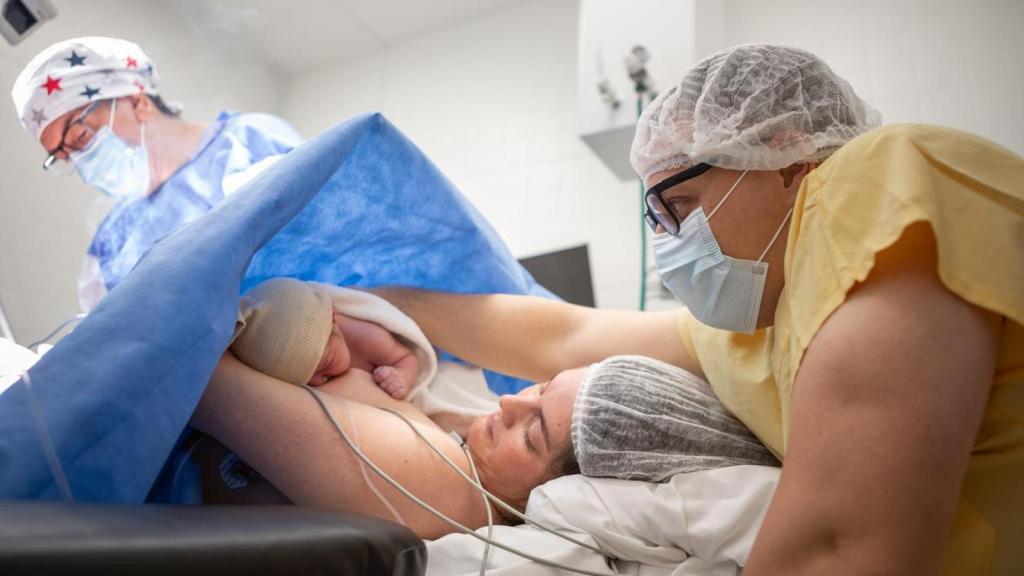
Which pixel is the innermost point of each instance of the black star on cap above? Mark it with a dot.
(76, 60)
(89, 92)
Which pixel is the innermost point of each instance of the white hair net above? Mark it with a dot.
(642, 419)
(751, 107)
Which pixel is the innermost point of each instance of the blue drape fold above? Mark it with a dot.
(358, 205)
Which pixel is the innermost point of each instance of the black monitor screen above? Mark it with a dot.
(565, 272)
(18, 16)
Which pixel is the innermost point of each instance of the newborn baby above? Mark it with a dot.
(290, 330)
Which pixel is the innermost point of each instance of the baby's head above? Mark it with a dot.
(287, 330)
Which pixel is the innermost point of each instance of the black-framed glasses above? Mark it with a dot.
(81, 135)
(658, 213)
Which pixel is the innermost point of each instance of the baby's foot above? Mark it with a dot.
(390, 381)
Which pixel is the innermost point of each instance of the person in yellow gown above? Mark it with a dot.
(853, 293)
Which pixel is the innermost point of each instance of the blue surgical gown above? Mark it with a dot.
(231, 144)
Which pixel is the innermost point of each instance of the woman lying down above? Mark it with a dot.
(626, 417)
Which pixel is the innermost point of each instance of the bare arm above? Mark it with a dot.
(886, 406)
(534, 338)
(281, 431)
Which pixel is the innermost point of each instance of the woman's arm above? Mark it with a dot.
(281, 431)
(886, 407)
(535, 338)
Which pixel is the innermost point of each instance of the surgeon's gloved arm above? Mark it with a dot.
(535, 338)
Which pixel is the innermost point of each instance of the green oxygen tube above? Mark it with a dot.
(643, 226)
(644, 87)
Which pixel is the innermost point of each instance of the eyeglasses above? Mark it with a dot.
(76, 136)
(658, 212)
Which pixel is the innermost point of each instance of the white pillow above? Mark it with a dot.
(696, 524)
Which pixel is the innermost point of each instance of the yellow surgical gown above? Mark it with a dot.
(856, 204)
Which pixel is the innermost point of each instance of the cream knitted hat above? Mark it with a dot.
(283, 327)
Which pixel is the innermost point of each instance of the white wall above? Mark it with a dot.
(493, 102)
(956, 63)
(608, 31)
(43, 219)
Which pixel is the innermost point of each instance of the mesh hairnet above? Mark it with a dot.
(641, 419)
(751, 107)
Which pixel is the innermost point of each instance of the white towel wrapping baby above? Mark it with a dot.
(446, 387)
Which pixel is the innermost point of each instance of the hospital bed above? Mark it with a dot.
(116, 393)
(56, 538)
(62, 538)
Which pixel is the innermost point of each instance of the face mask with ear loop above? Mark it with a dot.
(111, 165)
(475, 483)
(719, 290)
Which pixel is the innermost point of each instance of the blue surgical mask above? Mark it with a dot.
(719, 290)
(111, 165)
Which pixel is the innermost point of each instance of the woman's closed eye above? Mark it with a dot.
(533, 436)
(529, 445)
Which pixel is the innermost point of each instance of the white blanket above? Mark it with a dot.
(372, 308)
(440, 387)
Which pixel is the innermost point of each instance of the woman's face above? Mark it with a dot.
(516, 448)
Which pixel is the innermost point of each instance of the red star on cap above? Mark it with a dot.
(51, 85)
(132, 63)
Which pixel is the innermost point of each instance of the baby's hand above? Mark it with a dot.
(390, 381)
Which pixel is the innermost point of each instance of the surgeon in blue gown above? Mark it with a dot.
(94, 105)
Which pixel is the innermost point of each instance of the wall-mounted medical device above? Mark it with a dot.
(628, 55)
(636, 67)
(22, 17)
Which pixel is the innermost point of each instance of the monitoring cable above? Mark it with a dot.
(446, 519)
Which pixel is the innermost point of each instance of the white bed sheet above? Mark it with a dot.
(700, 523)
